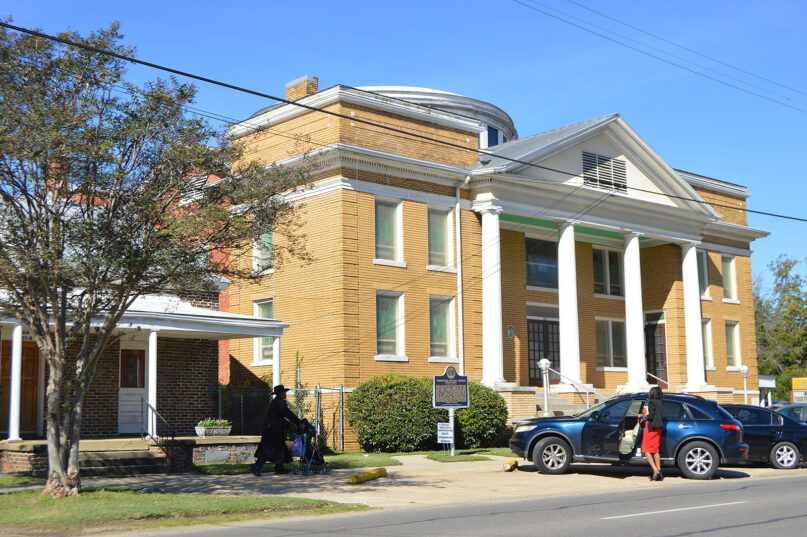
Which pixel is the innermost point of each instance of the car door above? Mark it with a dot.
(678, 424)
(601, 433)
(758, 431)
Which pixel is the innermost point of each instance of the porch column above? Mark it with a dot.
(151, 391)
(492, 355)
(16, 385)
(567, 304)
(634, 315)
(696, 375)
(276, 361)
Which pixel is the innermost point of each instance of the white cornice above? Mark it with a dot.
(346, 95)
(715, 185)
(734, 232)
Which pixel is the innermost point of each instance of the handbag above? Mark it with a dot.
(628, 441)
(297, 447)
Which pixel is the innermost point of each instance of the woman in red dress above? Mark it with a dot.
(653, 426)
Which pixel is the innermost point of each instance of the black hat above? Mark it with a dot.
(277, 390)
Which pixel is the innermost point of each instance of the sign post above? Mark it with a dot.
(449, 391)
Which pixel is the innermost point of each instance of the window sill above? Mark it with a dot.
(389, 263)
(710, 368)
(440, 268)
(612, 297)
(267, 272)
(733, 368)
(704, 297)
(262, 364)
(609, 368)
(442, 360)
(730, 301)
(547, 289)
(390, 358)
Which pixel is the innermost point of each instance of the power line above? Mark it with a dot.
(687, 48)
(394, 129)
(640, 51)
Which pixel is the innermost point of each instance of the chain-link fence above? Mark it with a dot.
(324, 407)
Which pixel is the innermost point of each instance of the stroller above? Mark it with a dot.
(306, 447)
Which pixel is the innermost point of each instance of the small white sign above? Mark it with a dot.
(445, 435)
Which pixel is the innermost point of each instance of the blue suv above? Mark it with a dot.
(698, 436)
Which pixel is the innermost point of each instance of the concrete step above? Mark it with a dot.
(132, 462)
(124, 470)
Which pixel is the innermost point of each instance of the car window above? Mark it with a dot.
(776, 419)
(790, 412)
(616, 411)
(596, 408)
(698, 414)
(634, 408)
(752, 416)
(674, 410)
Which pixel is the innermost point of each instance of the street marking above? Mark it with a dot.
(673, 510)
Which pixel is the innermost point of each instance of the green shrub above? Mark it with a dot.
(394, 413)
(481, 424)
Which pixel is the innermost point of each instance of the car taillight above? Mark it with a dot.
(731, 426)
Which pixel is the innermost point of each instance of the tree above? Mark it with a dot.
(781, 321)
(109, 192)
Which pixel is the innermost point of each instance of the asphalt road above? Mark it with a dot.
(770, 507)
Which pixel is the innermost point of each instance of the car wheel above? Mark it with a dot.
(552, 455)
(784, 456)
(698, 460)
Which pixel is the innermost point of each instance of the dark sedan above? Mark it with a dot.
(771, 437)
(794, 411)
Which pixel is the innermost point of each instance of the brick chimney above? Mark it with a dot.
(301, 87)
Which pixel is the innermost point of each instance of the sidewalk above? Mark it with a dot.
(422, 482)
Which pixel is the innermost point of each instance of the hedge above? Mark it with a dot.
(394, 413)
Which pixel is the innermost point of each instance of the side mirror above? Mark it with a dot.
(594, 416)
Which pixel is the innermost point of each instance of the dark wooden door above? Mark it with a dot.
(544, 341)
(655, 353)
(29, 386)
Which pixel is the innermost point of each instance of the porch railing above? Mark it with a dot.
(669, 386)
(578, 386)
(149, 420)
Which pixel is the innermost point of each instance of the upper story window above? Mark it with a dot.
(439, 253)
(604, 172)
(607, 272)
(706, 334)
(542, 263)
(262, 253)
(264, 349)
(729, 287)
(732, 344)
(389, 323)
(388, 230)
(493, 137)
(703, 273)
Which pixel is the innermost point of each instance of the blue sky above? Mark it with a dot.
(542, 72)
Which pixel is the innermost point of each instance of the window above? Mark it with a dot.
(493, 137)
(729, 291)
(389, 324)
(264, 350)
(441, 327)
(542, 263)
(262, 253)
(610, 343)
(703, 274)
(607, 272)
(132, 368)
(387, 244)
(698, 414)
(616, 411)
(732, 344)
(706, 336)
(604, 172)
(438, 238)
(674, 411)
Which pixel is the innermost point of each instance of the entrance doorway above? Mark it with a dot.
(132, 390)
(29, 406)
(655, 352)
(544, 342)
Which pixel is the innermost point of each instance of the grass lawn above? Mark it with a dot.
(125, 509)
(335, 461)
(9, 480)
(467, 455)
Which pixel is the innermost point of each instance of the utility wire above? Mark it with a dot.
(394, 129)
(665, 60)
(686, 48)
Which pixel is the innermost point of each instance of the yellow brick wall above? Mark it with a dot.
(731, 207)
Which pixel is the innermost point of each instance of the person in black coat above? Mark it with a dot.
(273, 439)
(653, 427)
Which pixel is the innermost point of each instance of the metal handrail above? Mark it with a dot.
(577, 385)
(676, 388)
(169, 450)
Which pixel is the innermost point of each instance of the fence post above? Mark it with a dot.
(341, 417)
(317, 410)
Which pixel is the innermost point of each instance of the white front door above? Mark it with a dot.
(132, 391)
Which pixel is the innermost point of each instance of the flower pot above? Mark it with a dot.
(205, 432)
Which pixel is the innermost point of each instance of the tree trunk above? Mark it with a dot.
(62, 437)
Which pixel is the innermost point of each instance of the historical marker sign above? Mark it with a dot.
(450, 390)
(445, 433)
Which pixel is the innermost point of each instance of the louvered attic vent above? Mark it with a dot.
(604, 172)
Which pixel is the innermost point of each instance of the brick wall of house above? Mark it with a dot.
(730, 207)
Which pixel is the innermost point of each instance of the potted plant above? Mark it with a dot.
(213, 427)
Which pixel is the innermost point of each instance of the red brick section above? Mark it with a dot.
(25, 462)
(224, 345)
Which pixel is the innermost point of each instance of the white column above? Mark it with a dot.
(151, 390)
(276, 361)
(492, 355)
(696, 376)
(567, 304)
(634, 315)
(16, 385)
